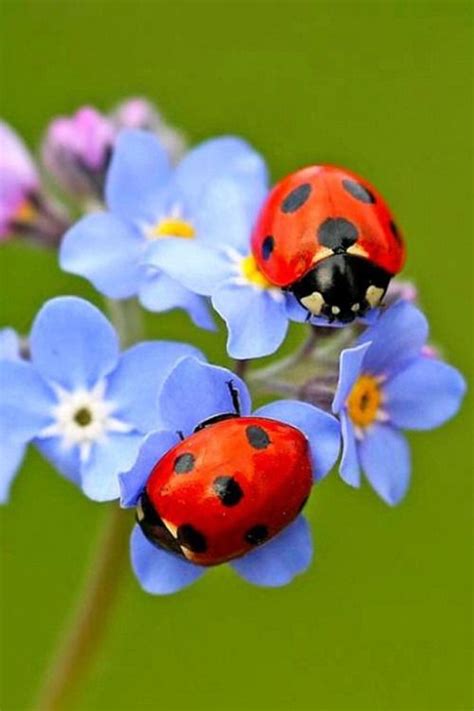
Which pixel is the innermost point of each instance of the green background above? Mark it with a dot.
(382, 619)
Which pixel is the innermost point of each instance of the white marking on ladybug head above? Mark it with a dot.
(355, 307)
(374, 295)
(140, 512)
(314, 303)
(171, 528)
(335, 310)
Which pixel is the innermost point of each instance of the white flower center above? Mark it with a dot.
(83, 418)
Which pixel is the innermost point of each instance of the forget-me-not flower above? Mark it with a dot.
(150, 204)
(82, 403)
(387, 383)
(194, 392)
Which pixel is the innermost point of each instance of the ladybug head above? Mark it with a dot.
(342, 287)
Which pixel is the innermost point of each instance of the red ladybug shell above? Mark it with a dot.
(290, 235)
(227, 488)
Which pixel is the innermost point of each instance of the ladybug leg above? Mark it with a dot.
(234, 393)
(180, 434)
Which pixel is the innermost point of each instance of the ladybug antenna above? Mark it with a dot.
(234, 393)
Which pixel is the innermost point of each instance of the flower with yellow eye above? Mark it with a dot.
(387, 383)
(152, 203)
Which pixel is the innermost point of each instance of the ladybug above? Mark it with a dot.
(328, 236)
(230, 486)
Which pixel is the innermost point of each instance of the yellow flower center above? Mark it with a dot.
(364, 401)
(253, 274)
(172, 227)
(26, 212)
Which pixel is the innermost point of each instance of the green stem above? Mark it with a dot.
(88, 624)
(90, 618)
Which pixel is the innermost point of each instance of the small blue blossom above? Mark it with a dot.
(11, 453)
(84, 405)
(387, 383)
(150, 204)
(9, 344)
(222, 266)
(193, 392)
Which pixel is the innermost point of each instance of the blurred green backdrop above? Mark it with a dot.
(382, 620)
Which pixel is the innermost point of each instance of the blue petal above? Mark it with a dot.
(9, 344)
(424, 395)
(132, 482)
(385, 459)
(321, 429)
(196, 391)
(277, 562)
(196, 266)
(72, 343)
(26, 402)
(65, 461)
(223, 157)
(141, 372)
(225, 217)
(350, 364)
(11, 457)
(256, 322)
(349, 469)
(107, 252)
(159, 572)
(138, 173)
(396, 338)
(99, 475)
(159, 292)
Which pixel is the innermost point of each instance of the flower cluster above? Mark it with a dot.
(157, 427)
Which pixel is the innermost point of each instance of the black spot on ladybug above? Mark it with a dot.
(358, 191)
(303, 504)
(256, 535)
(184, 463)
(395, 232)
(257, 437)
(268, 245)
(296, 198)
(191, 538)
(228, 490)
(337, 233)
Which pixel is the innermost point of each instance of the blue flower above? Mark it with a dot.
(151, 204)
(222, 266)
(387, 384)
(193, 392)
(84, 405)
(11, 453)
(9, 344)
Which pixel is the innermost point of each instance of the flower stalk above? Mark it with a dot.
(89, 620)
